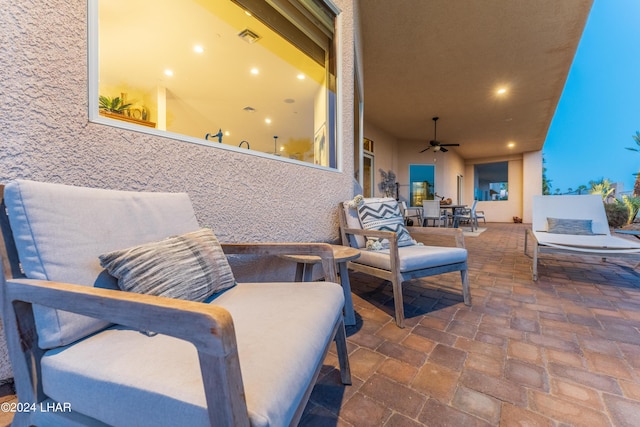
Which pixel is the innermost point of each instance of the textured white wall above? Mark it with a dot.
(45, 135)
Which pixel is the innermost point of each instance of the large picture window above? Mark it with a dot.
(491, 181)
(421, 184)
(247, 75)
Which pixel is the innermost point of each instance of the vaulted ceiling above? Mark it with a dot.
(426, 58)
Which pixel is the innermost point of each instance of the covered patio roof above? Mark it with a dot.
(448, 59)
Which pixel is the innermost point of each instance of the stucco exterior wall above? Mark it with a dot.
(45, 135)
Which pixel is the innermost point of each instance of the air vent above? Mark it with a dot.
(249, 36)
(249, 109)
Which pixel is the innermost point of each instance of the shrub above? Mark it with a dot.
(617, 214)
(633, 205)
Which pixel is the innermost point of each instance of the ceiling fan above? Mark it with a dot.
(435, 144)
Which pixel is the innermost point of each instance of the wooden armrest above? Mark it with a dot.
(422, 234)
(322, 250)
(202, 324)
(208, 327)
(389, 235)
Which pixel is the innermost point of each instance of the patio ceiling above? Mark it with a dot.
(426, 58)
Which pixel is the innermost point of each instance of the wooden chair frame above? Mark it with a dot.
(394, 275)
(207, 326)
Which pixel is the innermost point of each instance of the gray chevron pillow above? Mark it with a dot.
(191, 266)
(384, 214)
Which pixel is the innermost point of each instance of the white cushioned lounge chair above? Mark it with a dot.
(574, 224)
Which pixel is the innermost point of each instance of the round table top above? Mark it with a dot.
(340, 254)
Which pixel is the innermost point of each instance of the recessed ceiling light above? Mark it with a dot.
(168, 72)
(511, 144)
(198, 49)
(501, 91)
(255, 71)
(227, 133)
(267, 121)
(301, 76)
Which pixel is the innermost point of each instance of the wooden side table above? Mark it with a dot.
(342, 255)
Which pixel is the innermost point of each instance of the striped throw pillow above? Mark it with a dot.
(191, 267)
(570, 226)
(384, 215)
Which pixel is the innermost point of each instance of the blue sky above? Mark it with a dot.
(599, 110)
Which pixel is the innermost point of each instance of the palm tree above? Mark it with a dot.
(546, 182)
(602, 187)
(636, 185)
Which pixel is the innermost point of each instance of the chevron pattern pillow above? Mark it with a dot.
(191, 266)
(384, 214)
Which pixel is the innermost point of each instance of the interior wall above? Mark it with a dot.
(447, 166)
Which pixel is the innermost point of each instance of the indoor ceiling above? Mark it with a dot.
(426, 58)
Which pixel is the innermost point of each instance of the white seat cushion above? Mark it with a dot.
(414, 257)
(282, 330)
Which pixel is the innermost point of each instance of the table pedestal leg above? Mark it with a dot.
(304, 272)
(349, 314)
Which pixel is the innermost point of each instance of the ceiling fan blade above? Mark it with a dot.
(422, 151)
(444, 150)
(450, 145)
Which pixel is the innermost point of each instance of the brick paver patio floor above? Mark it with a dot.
(564, 350)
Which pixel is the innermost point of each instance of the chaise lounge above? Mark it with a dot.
(203, 350)
(574, 225)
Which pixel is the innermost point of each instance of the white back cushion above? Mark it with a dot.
(60, 230)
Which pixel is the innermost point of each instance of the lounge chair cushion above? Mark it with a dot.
(96, 221)
(570, 226)
(414, 257)
(135, 368)
(191, 266)
(384, 214)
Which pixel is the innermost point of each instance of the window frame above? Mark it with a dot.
(476, 180)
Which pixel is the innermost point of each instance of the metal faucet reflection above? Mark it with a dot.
(243, 142)
(217, 135)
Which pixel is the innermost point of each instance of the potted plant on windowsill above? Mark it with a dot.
(114, 105)
(118, 108)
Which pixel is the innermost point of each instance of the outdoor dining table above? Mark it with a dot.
(453, 212)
